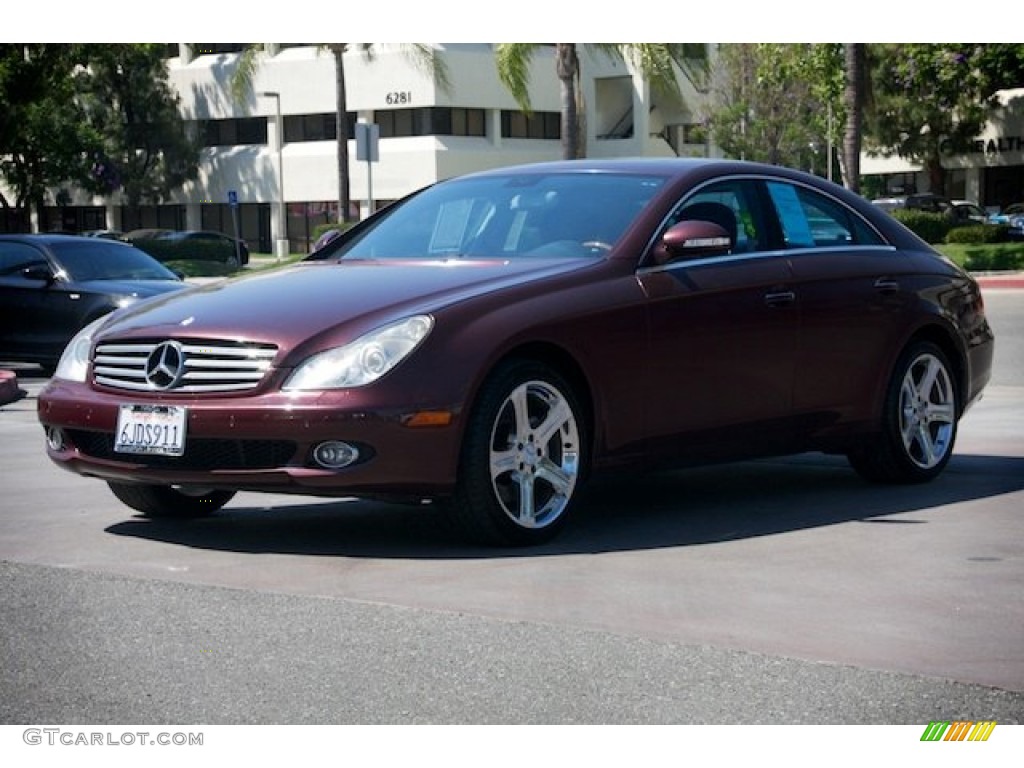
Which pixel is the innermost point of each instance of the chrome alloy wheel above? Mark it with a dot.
(534, 454)
(927, 411)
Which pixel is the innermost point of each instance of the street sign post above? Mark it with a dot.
(368, 149)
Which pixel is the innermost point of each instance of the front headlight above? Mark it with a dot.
(364, 360)
(74, 362)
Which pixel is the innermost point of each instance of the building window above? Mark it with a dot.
(203, 49)
(431, 121)
(538, 125)
(229, 133)
(318, 127)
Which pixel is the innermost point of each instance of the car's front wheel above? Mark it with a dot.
(523, 458)
(919, 421)
(165, 501)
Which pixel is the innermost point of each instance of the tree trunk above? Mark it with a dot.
(853, 99)
(341, 116)
(936, 175)
(566, 66)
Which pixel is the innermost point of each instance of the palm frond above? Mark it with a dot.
(240, 83)
(513, 62)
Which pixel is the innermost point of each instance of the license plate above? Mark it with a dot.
(151, 429)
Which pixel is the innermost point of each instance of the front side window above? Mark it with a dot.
(731, 204)
(15, 258)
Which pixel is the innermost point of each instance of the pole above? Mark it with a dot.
(281, 241)
(369, 187)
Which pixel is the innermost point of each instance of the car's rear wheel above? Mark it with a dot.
(165, 501)
(919, 422)
(523, 458)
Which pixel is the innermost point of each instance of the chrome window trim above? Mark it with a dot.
(757, 255)
(764, 179)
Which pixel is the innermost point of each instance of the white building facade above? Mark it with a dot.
(989, 170)
(283, 136)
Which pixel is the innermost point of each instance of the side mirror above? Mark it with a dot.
(692, 240)
(325, 239)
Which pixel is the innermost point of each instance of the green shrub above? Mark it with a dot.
(994, 260)
(978, 234)
(930, 227)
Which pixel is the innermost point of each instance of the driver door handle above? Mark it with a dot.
(886, 285)
(779, 298)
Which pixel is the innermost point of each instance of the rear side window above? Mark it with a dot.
(811, 220)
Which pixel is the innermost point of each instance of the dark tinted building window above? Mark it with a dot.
(202, 49)
(228, 133)
(431, 121)
(539, 125)
(317, 127)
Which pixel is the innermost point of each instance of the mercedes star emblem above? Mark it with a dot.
(165, 365)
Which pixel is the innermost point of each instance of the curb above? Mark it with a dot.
(9, 390)
(1000, 280)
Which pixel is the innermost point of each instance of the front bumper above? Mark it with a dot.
(261, 443)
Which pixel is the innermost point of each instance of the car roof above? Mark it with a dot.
(665, 166)
(677, 170)
(48, 238)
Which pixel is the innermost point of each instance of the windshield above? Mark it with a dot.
(527, 215)
(103, 260)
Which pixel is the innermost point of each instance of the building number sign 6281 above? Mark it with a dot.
(398, 97)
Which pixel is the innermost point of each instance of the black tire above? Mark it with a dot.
(164, 501)
(523, 458)
(919, 421)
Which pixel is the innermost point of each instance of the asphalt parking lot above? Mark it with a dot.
(781, 591)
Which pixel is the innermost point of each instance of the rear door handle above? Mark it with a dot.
(779, 298)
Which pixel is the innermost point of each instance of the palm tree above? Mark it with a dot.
(853, 101)
(421, 54)
(655, 61)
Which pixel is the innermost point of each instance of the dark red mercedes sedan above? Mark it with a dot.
(493, 340)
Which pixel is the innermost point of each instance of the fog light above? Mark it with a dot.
(55, 439)
(334, 454)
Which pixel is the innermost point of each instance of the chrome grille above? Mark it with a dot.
(209, 366)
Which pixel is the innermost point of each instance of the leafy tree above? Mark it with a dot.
(99, 116)
(929, 98)
(45, 139)
(146, 150)
(423, 55)
(655, 61)
(777, 103)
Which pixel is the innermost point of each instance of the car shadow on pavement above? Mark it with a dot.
(682, 508)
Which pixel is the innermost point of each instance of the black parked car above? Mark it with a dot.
(194, 245)
(53, 285)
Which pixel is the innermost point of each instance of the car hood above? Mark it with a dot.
(141, 289)
(337, 299)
